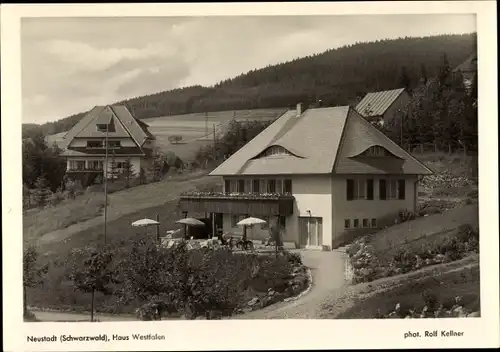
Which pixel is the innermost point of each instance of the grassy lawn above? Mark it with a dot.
(37, 222)
(412, 234)
(55, 225)
(446, 285)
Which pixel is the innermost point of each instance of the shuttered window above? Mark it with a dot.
(382, 189)
(255, 186)
(271, 186)
(241, 186)
(369, 189)
(401, 189)
(350, 189)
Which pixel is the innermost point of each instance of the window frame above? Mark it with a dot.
(355, 224)
(366, 223)
(353, 187)
(347, 223)
(102, 129)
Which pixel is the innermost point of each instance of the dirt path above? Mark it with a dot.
(130, 201)
(79, 317)
(340, 301)
(327, 269)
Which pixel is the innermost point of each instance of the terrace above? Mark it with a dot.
(238, 203)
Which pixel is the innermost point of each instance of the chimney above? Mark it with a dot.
(299, 109)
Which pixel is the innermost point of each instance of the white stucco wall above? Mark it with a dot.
(368, 209)
(311, 192)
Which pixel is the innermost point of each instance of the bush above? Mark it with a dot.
(294, 258)
(196, 282)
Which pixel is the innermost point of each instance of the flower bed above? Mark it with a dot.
(221, 195)
(452, 245)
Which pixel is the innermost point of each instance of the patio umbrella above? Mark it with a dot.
(249, 222)
(145, 223)
(190, 222)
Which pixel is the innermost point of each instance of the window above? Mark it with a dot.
(275, 150)
(279, 186)
(102, 127)
(80, 165)
(241, 186)
(376, 151)
(114, 144)
(374, 223)
(382, 189)
(271, 186)
(356, 223)
(392, 189)
(255, 186)
(369, 189)
(119, 165)
(366, 223)
(235, 219)
(248, 186)
(282, 222)
(401, 189)
(287, 186)
(95, 165)
(227, 186)
(347, 223)
(356, 189)
(350, 189)
(95, 144)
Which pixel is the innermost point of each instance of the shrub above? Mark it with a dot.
(294, 258)
(195, 282)
(56, 198)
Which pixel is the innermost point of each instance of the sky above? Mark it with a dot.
(69, 65)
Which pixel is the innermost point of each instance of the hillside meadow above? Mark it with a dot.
(193, 128)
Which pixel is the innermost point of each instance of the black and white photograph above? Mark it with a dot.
(250, 167)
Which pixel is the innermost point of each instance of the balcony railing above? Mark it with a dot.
(238, 203)
(84, 169)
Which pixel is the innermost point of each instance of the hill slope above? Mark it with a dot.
(338, 77)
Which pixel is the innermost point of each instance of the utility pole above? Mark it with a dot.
(215, 153)
(206, 124)
(106, 184)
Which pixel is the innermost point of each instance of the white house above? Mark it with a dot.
(128, 139)
(318, 174)
(381, 107)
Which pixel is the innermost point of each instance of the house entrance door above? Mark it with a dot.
(311, 232)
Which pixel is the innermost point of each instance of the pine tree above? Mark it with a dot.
(404, 79)
(113, 168)
(32, 274)
(142, 176)
(41, 192)
(128, 171)
(423, 73)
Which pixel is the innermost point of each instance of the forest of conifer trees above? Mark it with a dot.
(337, 77)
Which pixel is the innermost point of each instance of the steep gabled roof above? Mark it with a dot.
(321, 141)
(378, 102)
(125, 125)
(469, 65)
(359, 135)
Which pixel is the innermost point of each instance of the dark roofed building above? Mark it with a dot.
(381, 107)
(318, 174)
